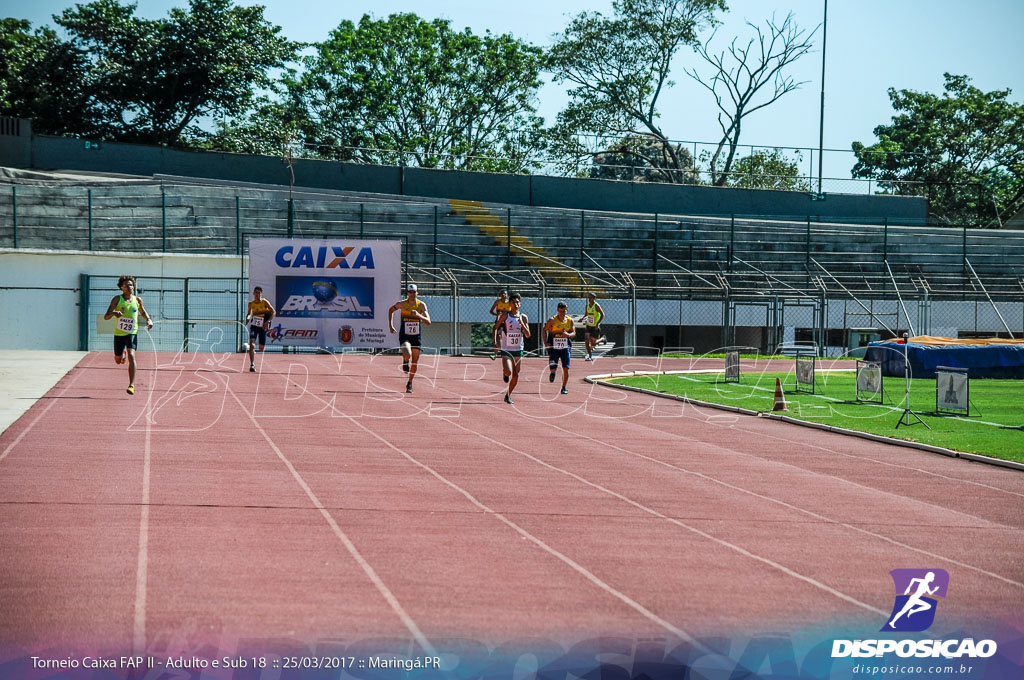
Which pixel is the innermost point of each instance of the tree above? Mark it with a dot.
(619, 67)
(963, 149)
(768, 169)
(153, 81)
(42, 77)
(748, 72)
(267, 129)
(404, 90)
(644, 158)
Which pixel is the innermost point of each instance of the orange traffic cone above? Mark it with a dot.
(780, 398)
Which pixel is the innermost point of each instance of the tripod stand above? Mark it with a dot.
(907, 411)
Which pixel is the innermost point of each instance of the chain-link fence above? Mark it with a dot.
(644, 312)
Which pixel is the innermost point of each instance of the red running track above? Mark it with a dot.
(316, 500)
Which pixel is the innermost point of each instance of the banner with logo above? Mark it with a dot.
(327, 292)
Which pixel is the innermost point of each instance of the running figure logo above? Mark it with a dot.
(914, 609)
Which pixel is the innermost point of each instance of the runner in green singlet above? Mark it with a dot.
(592, 323)
(126, 307)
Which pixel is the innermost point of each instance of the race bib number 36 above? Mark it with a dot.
(412, 327)
(126, 324)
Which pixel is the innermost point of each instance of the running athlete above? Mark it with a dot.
(500, 305)
(916, 602)
(126, 307)
(592, 321)
(513, 328)
(414, 313)
(258, 319)
(559, 332)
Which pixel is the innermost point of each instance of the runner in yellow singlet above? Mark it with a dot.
(500, 306)
(591, 319)
(558, 333)
(414, 313)
(126, 307)
(258, 320)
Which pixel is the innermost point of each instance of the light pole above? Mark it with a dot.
(821, 121)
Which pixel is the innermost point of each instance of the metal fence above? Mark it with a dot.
(158, 217)
(645, 313)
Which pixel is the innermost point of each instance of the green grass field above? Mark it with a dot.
(995, 426)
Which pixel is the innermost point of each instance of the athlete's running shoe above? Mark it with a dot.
(565, 391)
(405, 366)
(504, 377)
(252, 368)
(508, 399)
(408, 387)
(131, 389)
(551, 376)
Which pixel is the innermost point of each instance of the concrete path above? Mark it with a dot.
(26, 376)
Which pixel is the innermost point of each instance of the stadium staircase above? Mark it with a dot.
(508, 237)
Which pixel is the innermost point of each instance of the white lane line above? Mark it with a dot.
(784, 504)
(17, 440)
(850, 455)
(578, 568)
(142, 570)
(824, 398)
(798, 443)
(672, 520)
(382, 588)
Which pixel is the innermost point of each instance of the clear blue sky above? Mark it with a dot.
(871, 45)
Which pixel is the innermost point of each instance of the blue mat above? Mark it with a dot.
(982, 361)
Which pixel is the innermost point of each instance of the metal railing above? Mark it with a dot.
(168, 217)
(645, 312)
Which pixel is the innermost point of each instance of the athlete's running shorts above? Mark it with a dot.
(554, 355)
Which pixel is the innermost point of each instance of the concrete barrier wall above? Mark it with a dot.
(40, 299)
(16, 142)
(54, 153)
(40, 295)
(50, 153)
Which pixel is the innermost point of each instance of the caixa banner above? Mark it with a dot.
(327, 292)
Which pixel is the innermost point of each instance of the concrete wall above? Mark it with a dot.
(593, 194)
(55, 153)
(15, 142)
(51, 153)
(40, 296)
